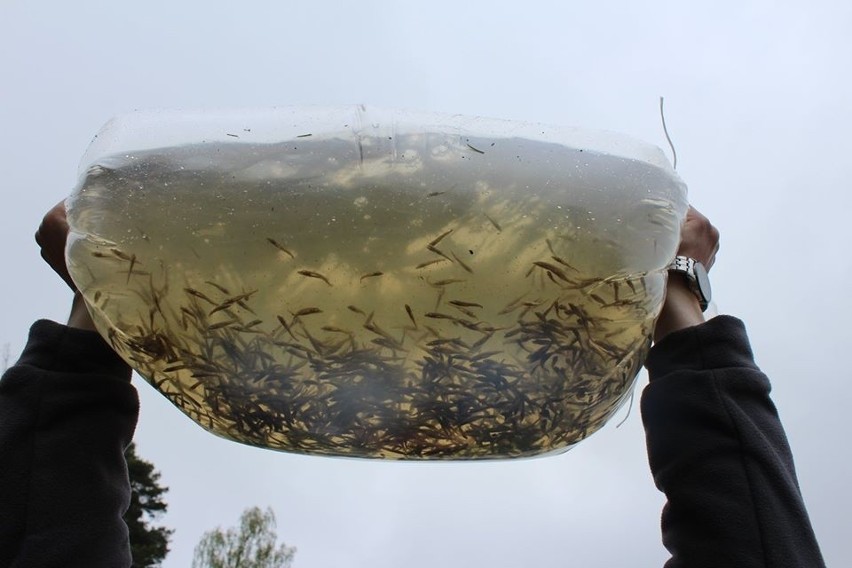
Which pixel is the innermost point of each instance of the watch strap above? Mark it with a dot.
(689, 268)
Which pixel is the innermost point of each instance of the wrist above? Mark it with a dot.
(681, 308)
(80, 317)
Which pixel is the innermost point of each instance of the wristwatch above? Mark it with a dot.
(696, 277)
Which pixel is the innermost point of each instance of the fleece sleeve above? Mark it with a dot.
(718, 451)
(67, 413)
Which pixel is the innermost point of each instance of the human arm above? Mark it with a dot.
(716, 446)
(681, 309)
(67, 412)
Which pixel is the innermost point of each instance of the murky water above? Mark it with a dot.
(429, 306)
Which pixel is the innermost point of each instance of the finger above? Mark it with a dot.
(713, 256)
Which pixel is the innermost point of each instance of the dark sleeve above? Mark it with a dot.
(718, 451)
(67, 413)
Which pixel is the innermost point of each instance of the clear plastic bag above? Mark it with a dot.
(376, 283)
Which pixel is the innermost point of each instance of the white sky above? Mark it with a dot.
(757, 100)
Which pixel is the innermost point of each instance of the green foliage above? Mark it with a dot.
(148, 544)
(252, 545)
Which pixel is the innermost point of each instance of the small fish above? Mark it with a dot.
(552, 268)
(598, 299)
(137, 273)
(436, 315)
(452, 341)
(239, 300)
(332, 329)
(436, 250)
(296, 346)
(244, 296)
(493, 222)
(221, 307)
(480, 342)
(197, 294)
(374, 327)
(356, 310)
(447, 282)
(467, 323)
(284, 324)
(512, 306)
(441, 292)
(410, 314)
(477, 150)
(461, 262)
(307, 312)
(433, 331)
(122, 255)
(435, 193)
(188, 313)
(312, 274)
(465, 304)
(440, 237)
(217, 286)
(280, 247)
(485, 355)
(430, 263)
(465, 311)
(132, 260)
(387, 342)
(563, 262)
(370, 275)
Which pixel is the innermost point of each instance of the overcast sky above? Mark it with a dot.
(757, 101)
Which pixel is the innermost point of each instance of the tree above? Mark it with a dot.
(252, 545)
(148, 544)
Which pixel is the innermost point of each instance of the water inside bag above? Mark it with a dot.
(378, 285)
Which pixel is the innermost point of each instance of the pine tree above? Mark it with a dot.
(148, 544)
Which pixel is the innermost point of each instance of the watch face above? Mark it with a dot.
(702, 280)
